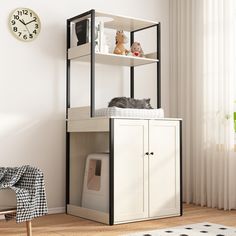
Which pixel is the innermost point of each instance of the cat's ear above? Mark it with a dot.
(148, 100)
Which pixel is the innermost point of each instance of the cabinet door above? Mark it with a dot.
(164, 168)
(130, 170)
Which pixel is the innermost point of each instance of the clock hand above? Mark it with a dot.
(22, 21)
(30, 22)
(25, 26)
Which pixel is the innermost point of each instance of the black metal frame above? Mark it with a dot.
(158, 63)
(92, 65)
(131, 69)
(91, 14)
(68, 67)
(111, 172)
(68, 29)
(181, 174)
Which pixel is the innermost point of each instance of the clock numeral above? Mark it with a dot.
(35, 31)
(19, 13)
(35, 18)
(25, 12)
(13, 22)
(25, 37)
(15, 29)
(19, 34)
(30, 36)
(16, 17)
(36, 26)
(31, 14)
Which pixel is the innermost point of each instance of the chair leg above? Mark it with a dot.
(29, 228)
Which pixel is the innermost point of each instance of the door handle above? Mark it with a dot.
(147, 153)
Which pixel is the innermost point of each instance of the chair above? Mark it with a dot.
(27, 183)
(12, 210)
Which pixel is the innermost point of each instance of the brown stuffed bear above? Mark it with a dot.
(121, 39)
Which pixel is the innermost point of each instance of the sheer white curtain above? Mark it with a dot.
(202, 82)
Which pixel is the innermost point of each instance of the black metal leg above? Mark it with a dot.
(111, 173)
(159, 65)
(67, 106)
(131, 69)
(92, 65)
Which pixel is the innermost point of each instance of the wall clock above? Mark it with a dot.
(24, 24)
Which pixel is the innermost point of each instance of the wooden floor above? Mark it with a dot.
(66, 225)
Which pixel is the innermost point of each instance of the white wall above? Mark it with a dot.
(32, 83)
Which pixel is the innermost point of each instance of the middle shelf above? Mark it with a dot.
(82, 53)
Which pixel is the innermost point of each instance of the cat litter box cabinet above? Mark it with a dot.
(140, 176)
(144, 172)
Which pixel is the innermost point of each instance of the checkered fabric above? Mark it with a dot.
(28, 184)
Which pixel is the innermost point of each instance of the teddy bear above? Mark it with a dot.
(121, 39)
(137, 50)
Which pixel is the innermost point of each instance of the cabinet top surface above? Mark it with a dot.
(111, 21)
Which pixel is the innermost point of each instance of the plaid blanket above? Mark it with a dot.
(28, 184)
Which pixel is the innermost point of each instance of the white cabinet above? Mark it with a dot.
(130, 169)
(146, 169)
(164, 168)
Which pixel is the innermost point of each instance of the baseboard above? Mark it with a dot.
(56, 210)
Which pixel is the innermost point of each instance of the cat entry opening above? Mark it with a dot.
(94, 175)
(96, 182)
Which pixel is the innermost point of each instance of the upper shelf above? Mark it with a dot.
(119, 22)
(82, 53)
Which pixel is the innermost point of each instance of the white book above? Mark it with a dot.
(101, 36)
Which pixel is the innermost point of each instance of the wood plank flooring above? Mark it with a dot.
(66, 225)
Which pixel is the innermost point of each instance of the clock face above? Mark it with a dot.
(24, 24)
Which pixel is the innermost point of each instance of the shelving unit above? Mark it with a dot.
(87, 134)
(87, 52)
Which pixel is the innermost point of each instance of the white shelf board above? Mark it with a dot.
(124, 23)
(82, 53)
(120, 22)
(113, 59)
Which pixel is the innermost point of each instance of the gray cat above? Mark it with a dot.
(124, 102)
